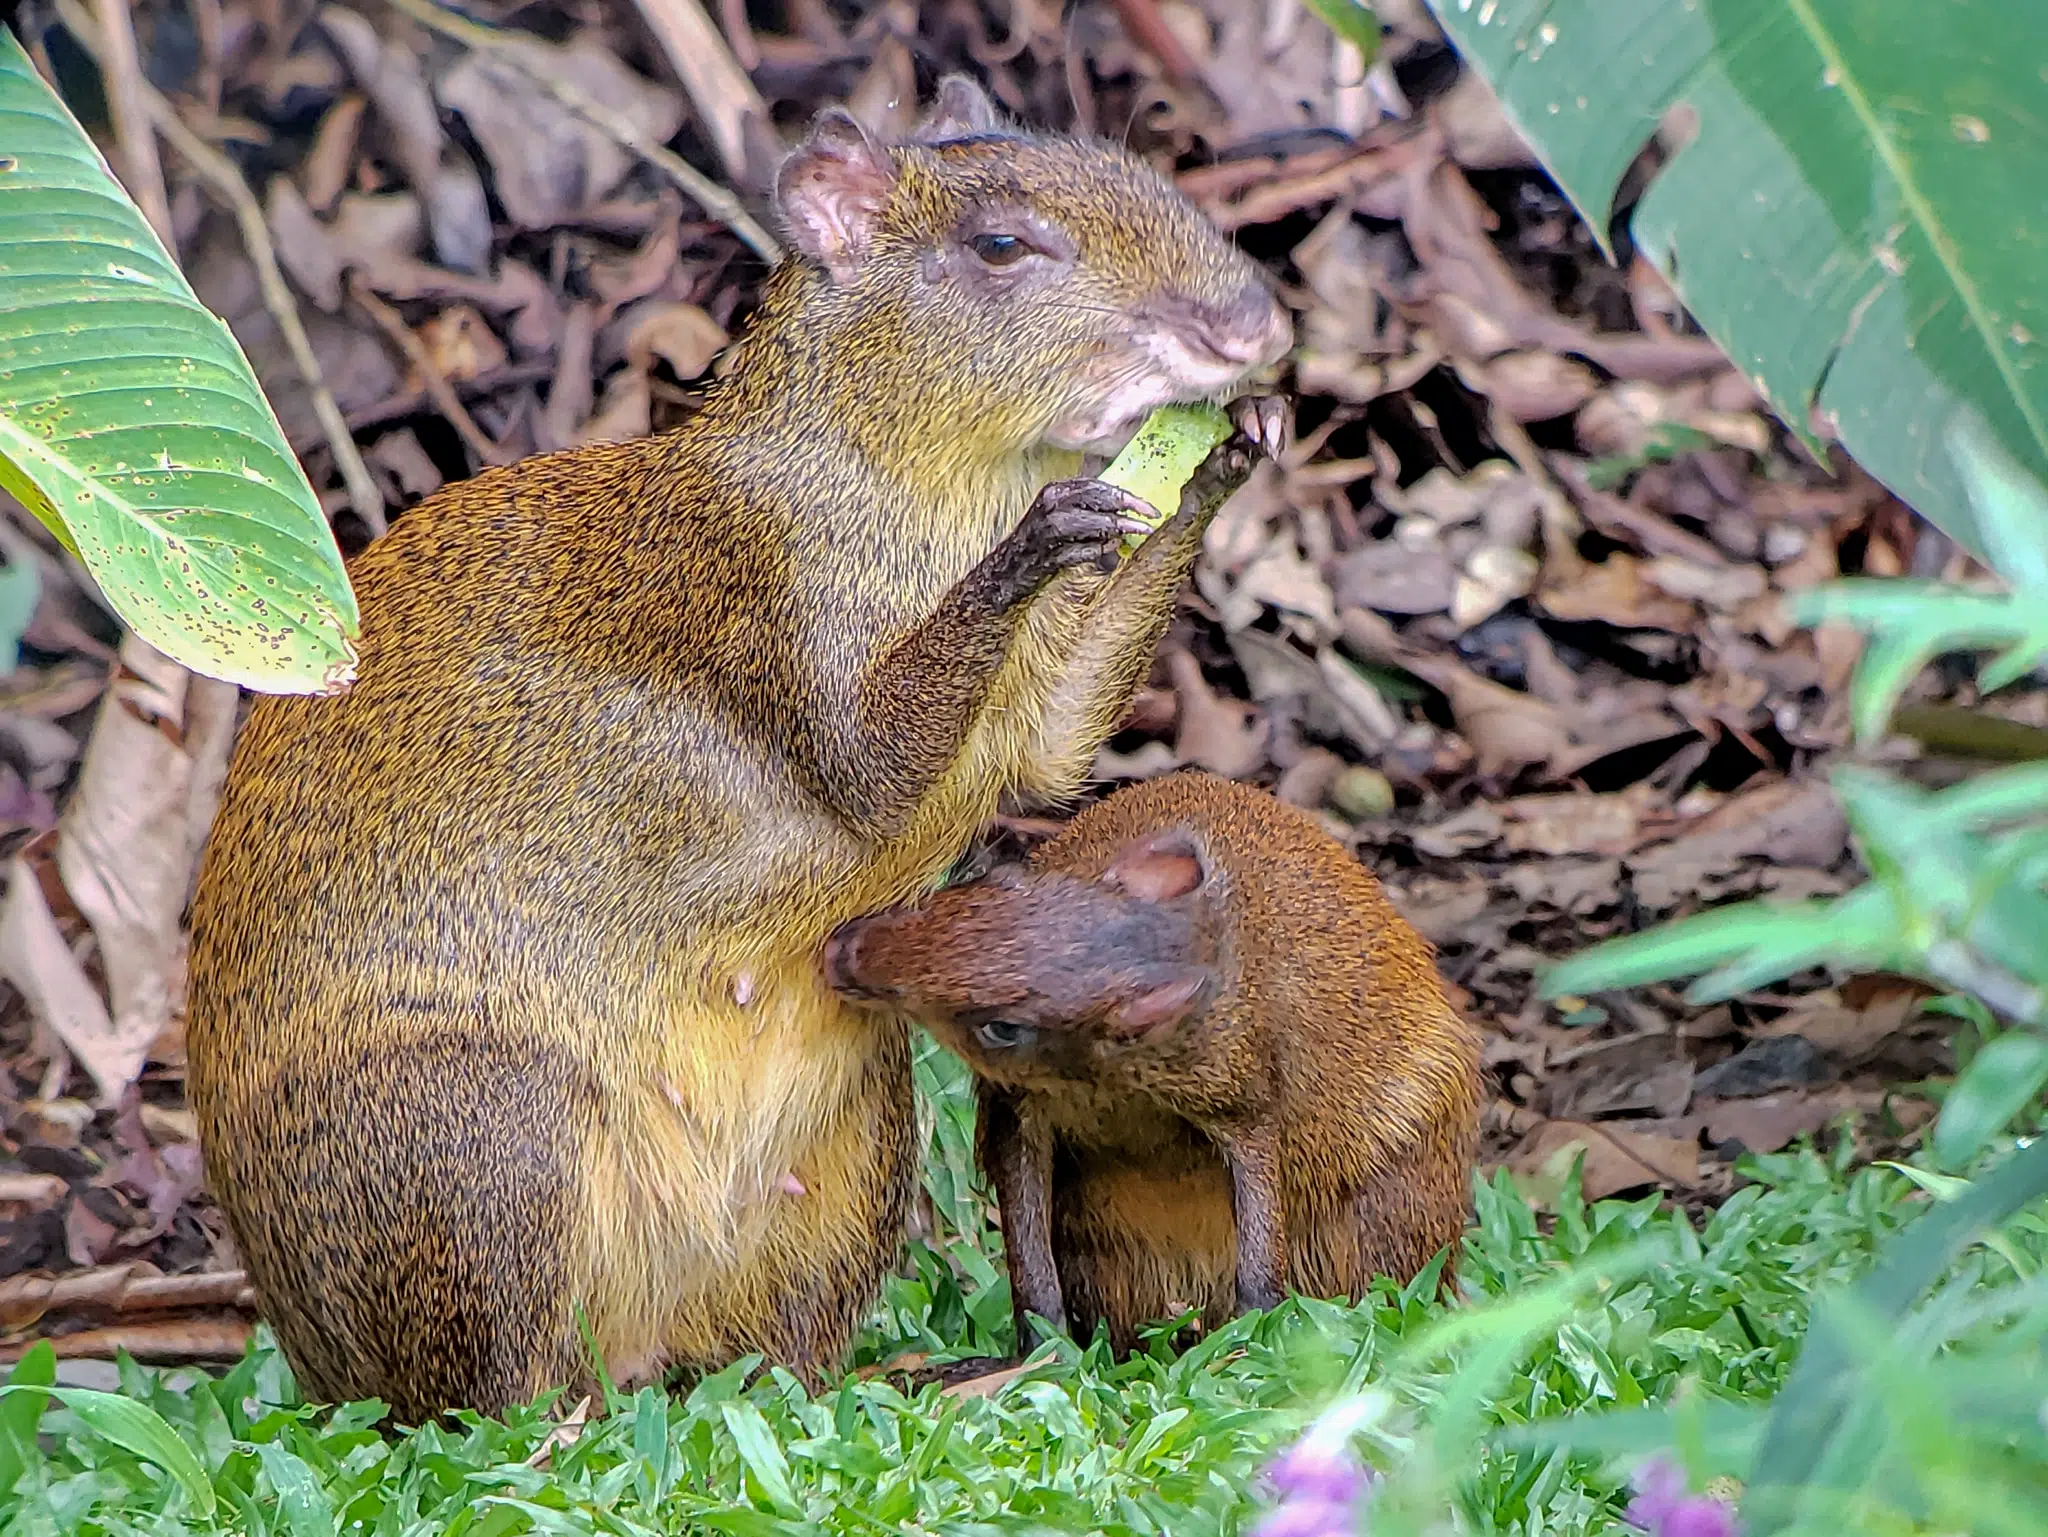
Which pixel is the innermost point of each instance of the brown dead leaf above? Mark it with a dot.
(447, 185)
(130, 837)
(1531, 386)
(1576, 886)
(988, 1384)
(681, 335)
(1616, 1160)
(411, 470)
(331, 160)
(1224, 736)
(625, 411)
(549, 163)
(1648, 1072)
(1792, 822)
(1442, 907)
(1395, 578)
(1614, 591)
(1460, 833)
(461, 344)
(1576, 822)
(1475, 128)
(303, 248)
(1851, 1033)
(1771, 1121)
(32, 1190)
(37, 961)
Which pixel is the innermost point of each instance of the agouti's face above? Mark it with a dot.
(1074, 288)
(1035, 979)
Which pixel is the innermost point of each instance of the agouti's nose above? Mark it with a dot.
(841, 948)
(1256, 329)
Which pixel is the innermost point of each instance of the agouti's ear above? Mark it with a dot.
(1160, 1006)
(1157, 869)
(832, 190)
(961, 111)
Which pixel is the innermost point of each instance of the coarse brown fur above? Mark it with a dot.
(1193, 1015)
(504, 1000)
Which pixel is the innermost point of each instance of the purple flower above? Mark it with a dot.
(1321, 1483)
(1663, 1507)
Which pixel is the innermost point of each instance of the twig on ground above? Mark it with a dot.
(175, 1342)
(142, 171)
(124, 1289)
(724, 96)
(218, 172)
(715, 200)
(438, 389)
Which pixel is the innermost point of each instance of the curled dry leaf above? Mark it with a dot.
(36, 1191)
(1506, 729)
(681, 335)
(129, 842)
(37, 961)
(1224, 736)
(1617, 1159)
(1792, 822)
(388, 70)
(1393, 576)
(1475, 128)
(550, 165)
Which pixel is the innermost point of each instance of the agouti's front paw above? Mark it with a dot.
(1266, 420)
(1071, 523)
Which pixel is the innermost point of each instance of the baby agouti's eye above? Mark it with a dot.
(998, 250)
(1004, 1034)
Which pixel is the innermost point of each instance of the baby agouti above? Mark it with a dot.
(1216, 1065)
(504, 1007)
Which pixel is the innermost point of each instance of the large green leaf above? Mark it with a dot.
(1860, 219)
(131, 424)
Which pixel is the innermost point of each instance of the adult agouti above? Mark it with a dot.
(504, 999)
(1215, 1064)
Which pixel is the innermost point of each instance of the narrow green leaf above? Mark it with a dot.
(300, 1499)
(1354, 22)
(21, 1411)
(755, 1443)
(2011, 505)
(2001, 1081)
(137, 1428)
(1813, 1407)
(1688, 946)
(130, 422)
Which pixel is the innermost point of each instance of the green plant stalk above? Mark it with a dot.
(1158, 463)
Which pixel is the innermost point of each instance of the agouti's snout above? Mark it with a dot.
(842, 960)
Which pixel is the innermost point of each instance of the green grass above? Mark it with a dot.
(1618, 1304)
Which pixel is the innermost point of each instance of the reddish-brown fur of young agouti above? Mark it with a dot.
(504, 1004)
(1216, 1065)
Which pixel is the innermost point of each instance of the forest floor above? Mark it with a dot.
(1507, 616)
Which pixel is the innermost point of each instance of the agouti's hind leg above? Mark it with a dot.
(816, 1275)
(409, 1221)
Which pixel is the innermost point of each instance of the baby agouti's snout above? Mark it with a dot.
(842, 960)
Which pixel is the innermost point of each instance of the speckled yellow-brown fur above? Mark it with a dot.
(504, 1000)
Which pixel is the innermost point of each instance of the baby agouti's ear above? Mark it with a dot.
(961, 110)
(1157, 869)
(832, 190)
(1160, 1006)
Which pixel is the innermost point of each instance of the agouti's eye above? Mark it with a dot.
(998, 250)
(1003, 1034)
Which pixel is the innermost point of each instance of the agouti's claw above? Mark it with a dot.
(1266, 421)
